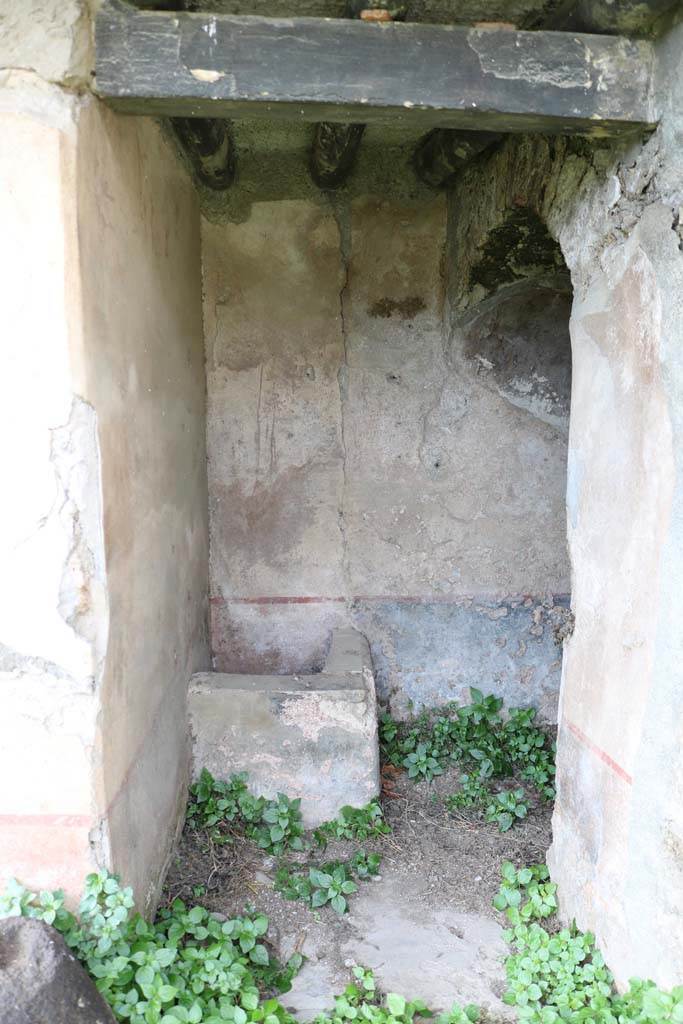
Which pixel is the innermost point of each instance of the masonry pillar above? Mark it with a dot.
(53, 602)
(103, 522)
(618, 825)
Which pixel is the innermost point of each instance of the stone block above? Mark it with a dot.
(312, 736)
(41, 981)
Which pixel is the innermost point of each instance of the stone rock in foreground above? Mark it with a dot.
(41, 981)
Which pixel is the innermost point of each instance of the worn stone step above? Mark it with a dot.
(313, 736)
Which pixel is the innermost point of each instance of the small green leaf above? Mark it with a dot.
(396, 1004)
(259, 955)
(320, 878)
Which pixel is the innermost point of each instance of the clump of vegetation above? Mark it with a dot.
(190, 967)
(280, 827)
(460, 1015)
(356, 823)
(331, 883)
(361, 1002)
(187, 967)
(526, 894)
(473, 792)
(562, 976)
(219, 808)
(506, 807)
(215, 805)
(554, 977)
(486, 743)
(222, 809)
(422, 764)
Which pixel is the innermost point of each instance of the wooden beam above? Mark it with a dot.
(317, 69)
(209, 148)
(333, 152)
(443, 152)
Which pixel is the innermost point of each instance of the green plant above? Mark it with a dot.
(215, 804)
(553, 977)
(473, 793)
(280, 828)
(219, 808)
(563, 977)
(332, 887)
(331, 883)
(478, 736)
(646, 1004)
(365, 865)
(526, 894)
(506, 807)
(362, 1004)
(366, 979)
(186, 968)
(460, 1015)
(389, 737)
(354, 823)
(531, 750)
(422, 764)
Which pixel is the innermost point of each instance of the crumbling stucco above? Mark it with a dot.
(53, 603)
(52, 39)
(104, 543)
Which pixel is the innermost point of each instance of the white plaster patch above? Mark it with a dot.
(205, 75)
(514, 57)
(312, 713)
(25, 93)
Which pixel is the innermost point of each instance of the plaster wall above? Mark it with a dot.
(143, 373)
(618, 824)
(104, 542)
(54, 613)
(364, 466)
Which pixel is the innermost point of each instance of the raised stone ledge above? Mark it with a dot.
(313, 737)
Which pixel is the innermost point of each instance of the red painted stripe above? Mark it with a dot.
(275, 600)
(379, 598)
(604, 757)
(47, 820)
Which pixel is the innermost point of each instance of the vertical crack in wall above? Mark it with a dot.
(342, 215)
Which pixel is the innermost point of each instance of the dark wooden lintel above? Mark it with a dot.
(339, 70)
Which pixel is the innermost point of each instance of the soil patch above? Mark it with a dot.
(426, 922)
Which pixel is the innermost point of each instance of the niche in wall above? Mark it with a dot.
(373, 463)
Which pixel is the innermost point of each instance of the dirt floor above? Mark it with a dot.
(425, 925)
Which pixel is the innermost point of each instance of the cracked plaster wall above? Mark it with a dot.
(53, 599)
(103, 533)
(618, 824)
(360, 470)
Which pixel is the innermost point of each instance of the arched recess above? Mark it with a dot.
(510, 301)
(516, 337)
